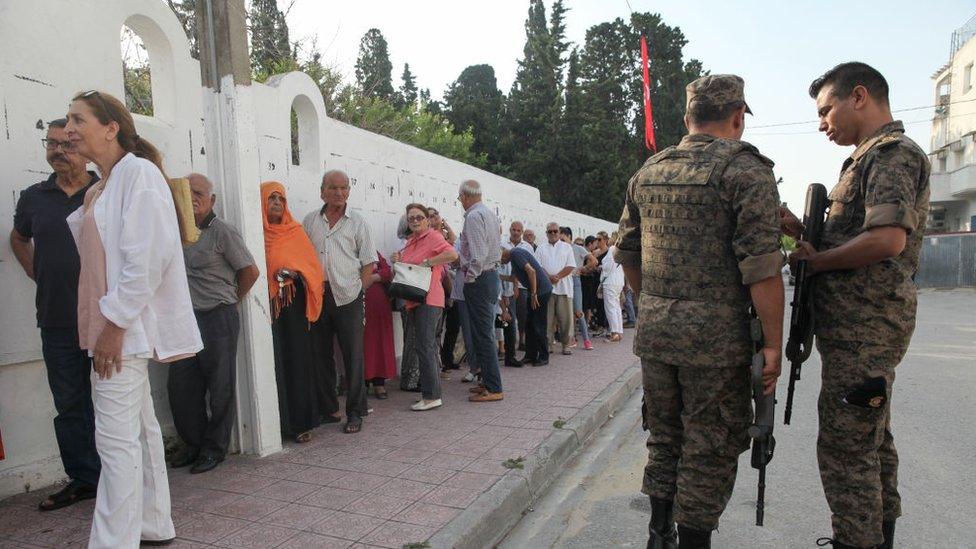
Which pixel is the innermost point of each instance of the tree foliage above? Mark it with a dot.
(373, 67)
(476, 104)
(270, 46)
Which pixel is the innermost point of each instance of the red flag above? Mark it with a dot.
(648, 112)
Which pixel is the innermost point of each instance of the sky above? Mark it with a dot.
(778, 47)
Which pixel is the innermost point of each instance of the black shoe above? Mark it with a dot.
(204, 464)
(888, 529)
(629, 324)
(661, 525)
(512, 363)
(71, 494)
(186, 458)
(693, 539)
(540, 363)
(156, 542)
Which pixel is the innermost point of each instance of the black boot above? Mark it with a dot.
(661, 526)
(888, 528)
(693, 539)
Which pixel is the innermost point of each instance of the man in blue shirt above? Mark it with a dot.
(530, 273)
(42, 243)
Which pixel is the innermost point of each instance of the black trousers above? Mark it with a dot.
(295, 367)
(510, 334)
(69, 376)
(536, 346)
(213, 372)
(346, 322)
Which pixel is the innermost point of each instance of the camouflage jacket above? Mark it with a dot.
(700, 221)
(885, 182)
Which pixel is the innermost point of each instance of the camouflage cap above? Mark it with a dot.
(716, 90)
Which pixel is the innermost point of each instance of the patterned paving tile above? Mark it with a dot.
(405, 489)
(331, 498)
(430, 475)
(249, 508)
(210, 528)
(346, 525)
(378, 505)
(309, 540)
(257, 536)
(451, 497)
(318, 475)
(363, 482)
(286, 490)
(472, 481)
(295, 515)
(397, 534)
(427, 514)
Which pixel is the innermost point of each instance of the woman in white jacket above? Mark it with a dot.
(133, 305)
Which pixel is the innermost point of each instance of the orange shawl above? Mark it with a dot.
(286, 246)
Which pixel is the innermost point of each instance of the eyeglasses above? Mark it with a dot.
(552, 232)
(101, 101)
(54, 144)
(416, 218)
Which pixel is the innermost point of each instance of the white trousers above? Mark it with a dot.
(133, 491)
(611, 304)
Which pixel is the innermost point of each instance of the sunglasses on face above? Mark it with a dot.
(416, 218)
(551, 232)
(54, 144)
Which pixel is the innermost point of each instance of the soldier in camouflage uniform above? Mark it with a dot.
(699, 236)
(864, 299)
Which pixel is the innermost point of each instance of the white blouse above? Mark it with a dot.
(148, 294)
(611, 273)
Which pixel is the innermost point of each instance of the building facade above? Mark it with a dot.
(953, 143)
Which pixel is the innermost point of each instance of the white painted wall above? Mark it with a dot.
(81, 52)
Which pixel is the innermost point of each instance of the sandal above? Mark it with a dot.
(353, 425)
(302, 438)
(69, 495)
(381, 393)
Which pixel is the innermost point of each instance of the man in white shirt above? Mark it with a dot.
(345, 247)
(557, 258)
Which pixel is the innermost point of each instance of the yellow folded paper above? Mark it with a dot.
(183, 199)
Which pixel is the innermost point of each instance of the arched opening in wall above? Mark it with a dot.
(136, 74)
(303, 126)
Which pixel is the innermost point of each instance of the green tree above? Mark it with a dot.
(185, 11)
(270, 46)
(407, 95)
(373, 67)
(474, 103)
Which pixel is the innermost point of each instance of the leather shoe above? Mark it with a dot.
(204, 464)
(512, 363)
(486, 397)
(541, 363)
(186, 458)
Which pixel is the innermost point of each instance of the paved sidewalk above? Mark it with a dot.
(399, 482)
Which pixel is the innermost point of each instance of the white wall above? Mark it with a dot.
(81, 51)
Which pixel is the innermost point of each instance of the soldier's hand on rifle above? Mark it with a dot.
(789, 223)
(771, 369)
(804, 251)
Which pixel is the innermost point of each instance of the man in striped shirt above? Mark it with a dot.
(345, 247)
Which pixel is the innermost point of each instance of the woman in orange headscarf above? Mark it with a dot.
(295, 284)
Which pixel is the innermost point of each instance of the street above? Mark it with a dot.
(597, 501)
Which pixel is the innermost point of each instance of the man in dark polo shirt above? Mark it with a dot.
(46, 250)
(220, 271)
(530, 274)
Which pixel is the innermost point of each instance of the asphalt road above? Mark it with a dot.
(597, 501)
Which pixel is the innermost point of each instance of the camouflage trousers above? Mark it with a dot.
(698, 419)
(855, 449)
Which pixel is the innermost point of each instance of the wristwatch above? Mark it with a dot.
(426, 263)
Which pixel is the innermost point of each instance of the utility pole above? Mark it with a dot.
(232, 156)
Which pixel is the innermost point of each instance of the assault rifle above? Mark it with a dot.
(800, 342)
(761, 429)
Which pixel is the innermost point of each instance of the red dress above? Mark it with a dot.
(379, 356)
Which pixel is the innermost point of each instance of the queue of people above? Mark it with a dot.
(119, 283)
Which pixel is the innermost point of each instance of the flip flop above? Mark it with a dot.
(69, 495)
(302, 438)
(353, 425)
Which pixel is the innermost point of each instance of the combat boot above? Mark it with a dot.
(693, 539)
(661, 526)
(888, 528)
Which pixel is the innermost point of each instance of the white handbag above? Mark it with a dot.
(410, 282)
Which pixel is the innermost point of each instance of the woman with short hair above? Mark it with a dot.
(133, 305)
(427, 247)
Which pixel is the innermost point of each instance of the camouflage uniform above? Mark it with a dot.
(865, 319)
(700, 221)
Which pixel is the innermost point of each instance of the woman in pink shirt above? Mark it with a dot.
(426, 247)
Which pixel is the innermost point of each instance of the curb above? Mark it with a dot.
(486, 521)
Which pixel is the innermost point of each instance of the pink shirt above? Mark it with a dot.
(425, 246)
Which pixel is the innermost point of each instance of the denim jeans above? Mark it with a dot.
(68, 374)
(481, 298)
(424, 319)
(584, 330)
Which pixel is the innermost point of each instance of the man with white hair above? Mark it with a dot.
(480, 255)
(220, 271)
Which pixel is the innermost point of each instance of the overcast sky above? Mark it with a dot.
(777, 46)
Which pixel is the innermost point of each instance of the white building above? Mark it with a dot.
(239, 136)
(953, 147)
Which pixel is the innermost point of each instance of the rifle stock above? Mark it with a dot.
(761, 430)
(800, 342)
